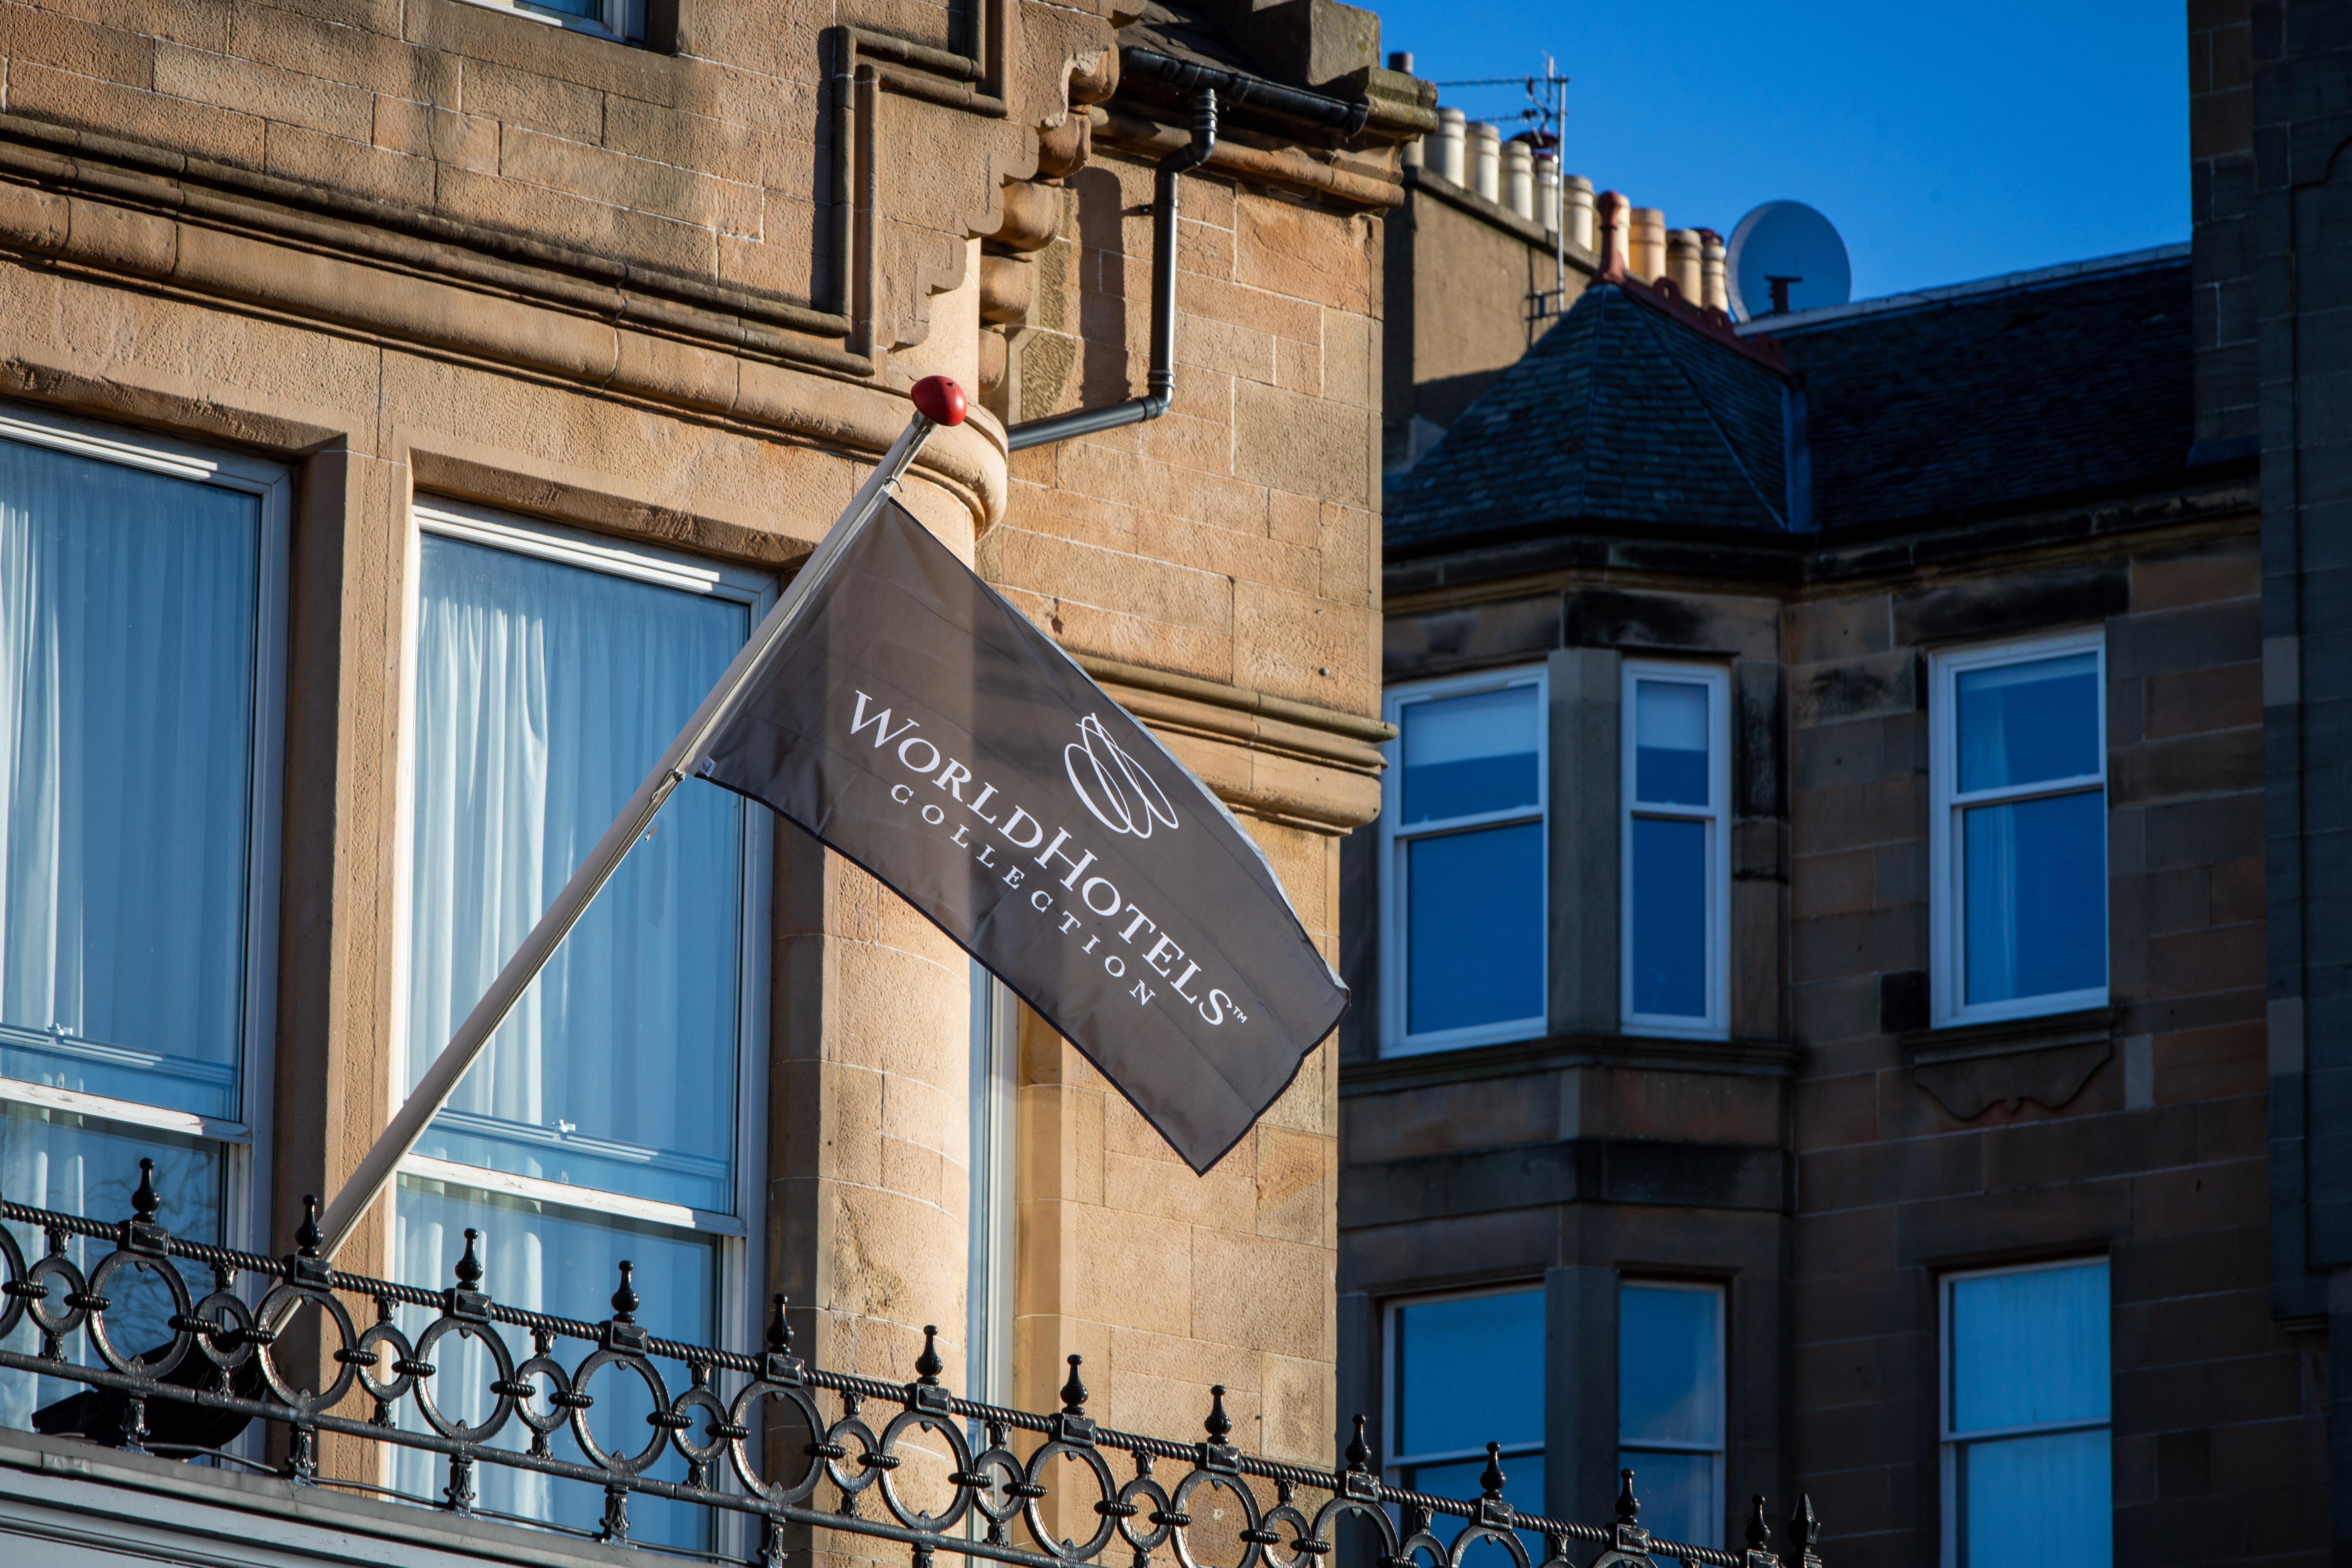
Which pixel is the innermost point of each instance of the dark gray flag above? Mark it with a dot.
(917, 723)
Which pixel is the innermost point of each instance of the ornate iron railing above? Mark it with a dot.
(220, 1370)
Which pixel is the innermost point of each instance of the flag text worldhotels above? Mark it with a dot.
(1100, 896)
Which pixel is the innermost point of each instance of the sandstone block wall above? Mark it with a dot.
(1235, 540)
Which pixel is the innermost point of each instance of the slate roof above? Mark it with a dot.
(1622, 413)
(1988, 401)
(1629, 416)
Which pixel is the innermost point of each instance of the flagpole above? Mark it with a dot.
(938, 401)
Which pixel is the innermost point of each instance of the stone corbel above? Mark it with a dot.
(2048, 1060)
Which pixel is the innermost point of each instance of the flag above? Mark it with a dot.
(917, 723)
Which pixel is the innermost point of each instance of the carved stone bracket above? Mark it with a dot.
(1970, 1070)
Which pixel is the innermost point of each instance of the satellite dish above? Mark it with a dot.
(1784, 256)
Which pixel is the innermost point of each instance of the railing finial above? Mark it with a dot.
(624, 1299)
(1074, 1393)
(1219, 1425)
(1359, 1452)
(1491, 1478)
(1629, 1507)
(143, 1202)
(928, 1365)
(779, 1328)
(469, 1263)
(306, 1235)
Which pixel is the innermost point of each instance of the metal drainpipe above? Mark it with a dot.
(1161, 382)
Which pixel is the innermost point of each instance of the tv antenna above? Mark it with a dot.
(1547, 110)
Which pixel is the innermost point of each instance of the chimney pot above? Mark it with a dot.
(1576, 210)
(1452, 155)
(1518, 179)
(1486, 161)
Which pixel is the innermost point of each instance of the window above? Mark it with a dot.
(2019, 829)
(610, 1115)
(1670, 1407)
(1676, 790)
(1463, 863)
(1465, 1372)
(142, 648)
(614, 18)
(2025, 1418)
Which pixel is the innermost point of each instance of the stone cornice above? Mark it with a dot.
(1794, 565)
(131, 219)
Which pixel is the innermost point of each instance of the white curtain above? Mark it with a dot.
(544, 692)
(128, 609)
(1988, 834)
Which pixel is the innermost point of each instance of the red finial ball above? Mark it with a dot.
(940, 399)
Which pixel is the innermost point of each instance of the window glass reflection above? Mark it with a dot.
(2023, 723)
(2036, 896)
(1474, 901)
(1670, 743)
(1669, 1366)
(1472, 755)
(1670, 917)
(127, 605)
(1469, 1373)
(2030, 1348)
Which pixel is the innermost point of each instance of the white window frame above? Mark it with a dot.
(245, 1138)
(1714, 1535)
(1395, 837)
(620, 20)
(738, 1234)
(1715, 815)
(1949, 1442)
(1394, 1463)
(1948, 884)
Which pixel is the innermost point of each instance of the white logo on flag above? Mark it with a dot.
(1113, 785)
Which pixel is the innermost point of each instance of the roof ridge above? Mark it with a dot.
(1764, 327)
(1592, 396)
(1723, 437)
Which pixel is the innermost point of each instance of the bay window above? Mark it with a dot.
(141, 644)
(2019, 829)
(610, 1115)
(1463, 863)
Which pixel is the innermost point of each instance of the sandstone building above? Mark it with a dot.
(1850, 952)
(406, 405)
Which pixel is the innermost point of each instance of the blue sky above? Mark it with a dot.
(1945, 143)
